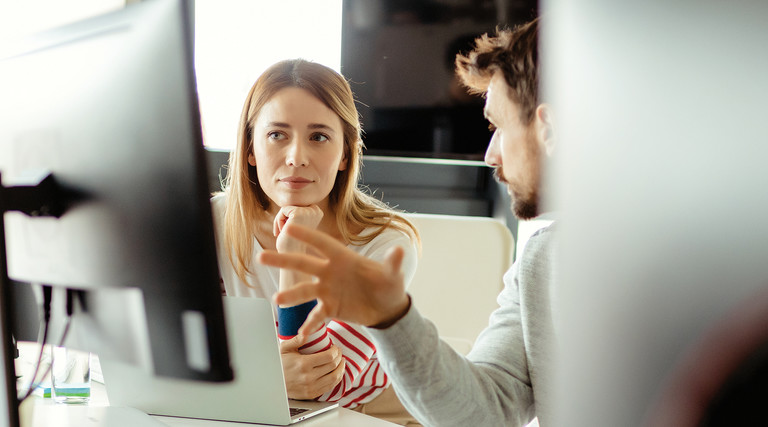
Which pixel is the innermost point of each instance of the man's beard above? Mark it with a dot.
(524, 207)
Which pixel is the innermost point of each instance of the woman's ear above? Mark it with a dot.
(545, 128)
(252, 159)
(344, 161)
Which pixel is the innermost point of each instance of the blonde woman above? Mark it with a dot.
(298, 160)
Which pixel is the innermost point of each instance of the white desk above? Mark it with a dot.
(40, 412)
(44, 412)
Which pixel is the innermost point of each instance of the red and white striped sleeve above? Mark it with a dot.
(363, 378)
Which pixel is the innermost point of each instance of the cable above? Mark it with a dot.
(50, 365)
(42, 337)
(47, 315)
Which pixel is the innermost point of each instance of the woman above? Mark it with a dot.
(297, 160)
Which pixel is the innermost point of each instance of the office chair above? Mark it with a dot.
(460, 272)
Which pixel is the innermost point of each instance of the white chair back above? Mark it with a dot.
(460, 272)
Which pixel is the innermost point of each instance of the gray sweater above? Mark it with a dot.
(504, 380)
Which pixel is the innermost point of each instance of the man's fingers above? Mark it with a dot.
(314, 320)
(394, 259)
(300, 262)
(299, 294)
(320, 241)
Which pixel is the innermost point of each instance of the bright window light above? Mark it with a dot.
(236, 40)
(21, 18)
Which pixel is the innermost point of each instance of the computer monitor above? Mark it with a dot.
(659, 184)
(399, 58)
(107, 108)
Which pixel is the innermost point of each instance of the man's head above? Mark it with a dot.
(505, 68)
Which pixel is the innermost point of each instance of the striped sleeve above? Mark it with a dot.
(363, 377)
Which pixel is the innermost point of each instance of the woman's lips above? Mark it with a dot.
(295, 182)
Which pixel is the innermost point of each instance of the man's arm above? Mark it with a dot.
(442, 388)
(438, 386)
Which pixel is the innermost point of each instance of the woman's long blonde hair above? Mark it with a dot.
(246, 201)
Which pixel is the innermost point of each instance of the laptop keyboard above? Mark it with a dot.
(297, 411)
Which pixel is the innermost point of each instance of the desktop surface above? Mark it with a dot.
(49, 414)
(44, 412)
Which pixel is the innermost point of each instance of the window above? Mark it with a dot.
(20, 18)
(236, 40)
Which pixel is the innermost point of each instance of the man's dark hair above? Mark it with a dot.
(515, 53)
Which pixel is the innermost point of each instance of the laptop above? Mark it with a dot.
(257, 395)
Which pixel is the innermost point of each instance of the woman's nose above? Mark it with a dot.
(297, 155)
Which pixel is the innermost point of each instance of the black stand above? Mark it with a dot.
(40, 196)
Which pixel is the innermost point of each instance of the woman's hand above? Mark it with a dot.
(308, 216)
(308, 376)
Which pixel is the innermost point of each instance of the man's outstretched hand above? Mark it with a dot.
(347, 286)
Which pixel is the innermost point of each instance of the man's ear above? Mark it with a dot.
(545, 128)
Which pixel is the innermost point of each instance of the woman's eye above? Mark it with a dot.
(319, 137)
(276, 136)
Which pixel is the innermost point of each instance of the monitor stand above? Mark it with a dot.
(40, 196)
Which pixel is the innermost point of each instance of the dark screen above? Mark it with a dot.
(399, 57)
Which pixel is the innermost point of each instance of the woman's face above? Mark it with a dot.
(298, 149)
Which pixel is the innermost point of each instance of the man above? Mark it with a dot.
(504, 379)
